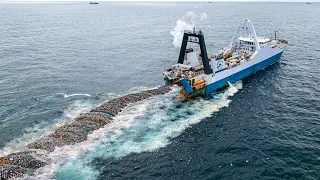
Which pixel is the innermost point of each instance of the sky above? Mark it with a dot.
(166, 0)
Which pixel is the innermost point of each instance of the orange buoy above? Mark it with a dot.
(59, 136)
(3, 161)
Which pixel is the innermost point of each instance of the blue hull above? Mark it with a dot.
(242, 74)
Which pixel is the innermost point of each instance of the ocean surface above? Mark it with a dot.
(61, 59)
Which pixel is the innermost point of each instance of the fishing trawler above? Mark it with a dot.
(200, 74)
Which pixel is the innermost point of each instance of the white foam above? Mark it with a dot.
(79, 94)
(145, 126)
(33, 133)
(69, 154)
(233, 88)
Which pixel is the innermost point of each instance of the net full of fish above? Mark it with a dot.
(17, 164)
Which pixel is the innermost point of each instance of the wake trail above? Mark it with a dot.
(142, 127)
(35, 132)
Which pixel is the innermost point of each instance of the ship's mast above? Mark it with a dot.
(246, 26)
(253, 31)
(234, 37)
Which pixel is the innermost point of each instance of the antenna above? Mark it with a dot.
(275, 35)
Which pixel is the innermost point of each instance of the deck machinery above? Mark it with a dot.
(200, 74)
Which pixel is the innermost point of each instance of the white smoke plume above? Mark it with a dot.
(187, 22)
(177, 32)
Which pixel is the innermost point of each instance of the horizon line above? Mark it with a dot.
(159, 1)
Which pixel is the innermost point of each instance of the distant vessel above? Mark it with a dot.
(308, 3)
(93, 2)
(199, 74)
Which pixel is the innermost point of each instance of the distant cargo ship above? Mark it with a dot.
(200, 75)
(93, 2)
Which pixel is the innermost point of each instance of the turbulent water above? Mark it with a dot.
(60, 59)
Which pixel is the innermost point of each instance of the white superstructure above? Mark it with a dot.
(246, 54)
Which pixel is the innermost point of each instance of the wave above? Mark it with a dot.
(141, 127)
(79, 94)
